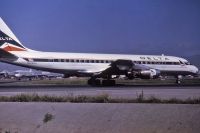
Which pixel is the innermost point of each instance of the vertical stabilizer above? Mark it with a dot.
(8, 41)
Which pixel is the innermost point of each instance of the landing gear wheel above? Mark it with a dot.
(94, 82)
(66, 76)
(178, 81)
(108, 82)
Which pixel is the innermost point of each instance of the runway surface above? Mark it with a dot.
(164, 92)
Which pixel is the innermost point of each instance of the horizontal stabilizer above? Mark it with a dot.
(6, 55)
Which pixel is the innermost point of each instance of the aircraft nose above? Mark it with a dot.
(195, 70)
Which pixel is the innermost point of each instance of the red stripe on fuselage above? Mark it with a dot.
(10, 48)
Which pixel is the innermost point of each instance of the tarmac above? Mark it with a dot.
(29, 117)
(99, 118)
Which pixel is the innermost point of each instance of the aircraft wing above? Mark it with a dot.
(124, 67)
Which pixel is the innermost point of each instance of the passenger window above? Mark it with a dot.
(50, 60)
(55, 60)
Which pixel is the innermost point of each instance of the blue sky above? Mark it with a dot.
(171, 27)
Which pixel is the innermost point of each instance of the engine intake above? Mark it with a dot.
(149, 74)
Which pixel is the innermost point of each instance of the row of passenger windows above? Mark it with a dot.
(99, 61)
(72, 60)
(148, 62)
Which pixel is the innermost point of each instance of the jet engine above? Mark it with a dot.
(149, 74)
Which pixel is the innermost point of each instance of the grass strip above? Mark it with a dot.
(103, 98)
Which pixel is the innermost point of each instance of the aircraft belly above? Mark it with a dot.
(92, 67)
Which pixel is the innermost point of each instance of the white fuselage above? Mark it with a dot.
(93, 63)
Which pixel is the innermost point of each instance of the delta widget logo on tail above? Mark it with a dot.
(9, 44)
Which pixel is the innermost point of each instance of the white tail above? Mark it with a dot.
(8, 41)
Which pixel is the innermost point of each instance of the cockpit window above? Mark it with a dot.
(187, 63)
(184, 62)
(181, 62)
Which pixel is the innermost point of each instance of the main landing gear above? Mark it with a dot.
(178, 79)
(98, 82)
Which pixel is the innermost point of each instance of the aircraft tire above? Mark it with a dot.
(178, 81)
(94, 82)
(108, 83)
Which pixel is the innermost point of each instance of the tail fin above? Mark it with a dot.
(8, 41)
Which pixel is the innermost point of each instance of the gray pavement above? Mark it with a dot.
(164, 92)
(99, 118)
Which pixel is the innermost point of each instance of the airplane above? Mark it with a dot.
(30, 74)
(49, 75)
(3, 74)
(99, 67)
(7, 74)
(24, 74)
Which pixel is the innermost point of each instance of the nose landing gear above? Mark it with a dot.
(178, 79)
